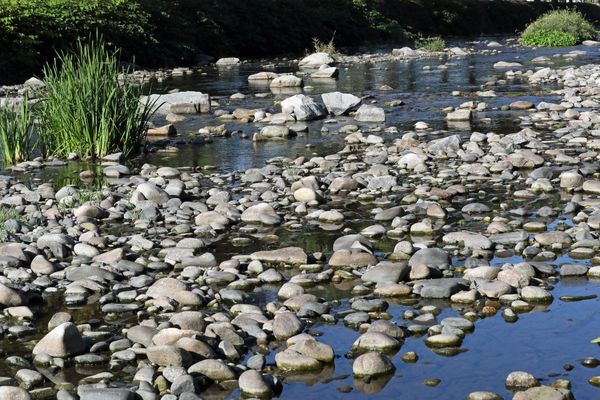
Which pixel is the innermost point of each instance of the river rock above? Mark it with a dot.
(544, 393)
(261, 214)
(291, 360)
(10, 297)
(338, 103)
(286, 325)
(521, 380)
(304, 108)
(370, 113)
(287, 255)
(63, 341)
(253, 384)
(14, 393)
(215, 370)
(376, 341)
(284, 81)
(536, 294)
(372, 364)
(315, 60)
(179, 103)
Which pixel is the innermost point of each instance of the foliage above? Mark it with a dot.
(16, 132)
(163, 33)
(325, 47)
(8, 213)
(32, 31)
(558, 28)
(92, 196)
(87, 110)
(431, 44)
(379, 21)
(548, 38)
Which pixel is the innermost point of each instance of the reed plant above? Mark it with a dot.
(87, 108)
(17, 139)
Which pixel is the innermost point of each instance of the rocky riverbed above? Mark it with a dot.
(421, 237)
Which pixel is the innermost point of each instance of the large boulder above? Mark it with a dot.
(315, 60)
(63, 341)
(338, 103)
(303, 107)
(179, 103)
(151, 192)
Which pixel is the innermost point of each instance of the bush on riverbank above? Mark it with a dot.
(87, 110)
(558, 28)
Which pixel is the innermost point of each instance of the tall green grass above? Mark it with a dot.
(558, 28)
(87, 109)
(17, 139)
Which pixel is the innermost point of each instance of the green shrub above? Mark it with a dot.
(558, 28)
(16, 132)
(87, 110)
(431, 44)
(549, 39)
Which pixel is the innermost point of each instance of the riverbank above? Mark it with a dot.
(154, 34)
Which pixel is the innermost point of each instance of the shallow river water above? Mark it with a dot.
(541, 341)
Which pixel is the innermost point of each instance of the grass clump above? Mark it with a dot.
(10, 213)
(87, 109)
(431, 44)
(16, 132)
(558, 28)
(325, 47)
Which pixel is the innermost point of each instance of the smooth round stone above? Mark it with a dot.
(29, 378)
(331, 216)
(535, 294)
(376, 341)
(305, 195)
(314, 349)
(509, 315)
(594, 272)
(534, 226)
(432, 382)
(252, 383)
(483, 396)
(460, 323)
(520, 306)
(410, 357)
(213, 369)
(353, 320)
(14, 393)
(573, 270)
(521, 380)
(443, 340)
(582, 253)
(372, 364)
(291, 360)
